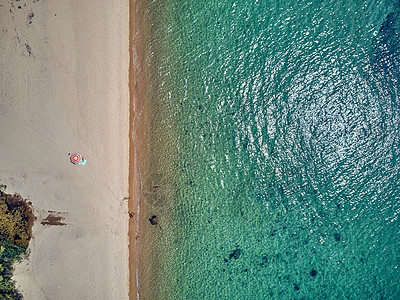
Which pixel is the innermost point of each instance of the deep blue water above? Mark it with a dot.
(286, 148)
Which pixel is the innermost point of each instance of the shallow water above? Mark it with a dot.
(284, 122)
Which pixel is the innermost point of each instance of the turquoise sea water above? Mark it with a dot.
(286, 135)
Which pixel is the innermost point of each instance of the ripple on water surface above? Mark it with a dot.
(288, 149)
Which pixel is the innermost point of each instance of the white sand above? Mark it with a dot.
(70, 93)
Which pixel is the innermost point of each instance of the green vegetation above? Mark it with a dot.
(16, 220)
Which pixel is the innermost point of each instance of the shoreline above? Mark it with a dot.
(152, 161)
(137, 143)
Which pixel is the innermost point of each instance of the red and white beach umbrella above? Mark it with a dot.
(76, 158)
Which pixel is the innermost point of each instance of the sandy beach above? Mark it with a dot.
(64, 88)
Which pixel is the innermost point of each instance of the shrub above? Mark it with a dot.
(16, 220)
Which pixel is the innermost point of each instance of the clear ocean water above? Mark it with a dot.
(280, 164)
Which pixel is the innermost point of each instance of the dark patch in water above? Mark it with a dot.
(264, 260)
(385, 58)
(235, 254)
(337, 236)
(389, 35)
(153, 220)
(313, 273)
(296, 287)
